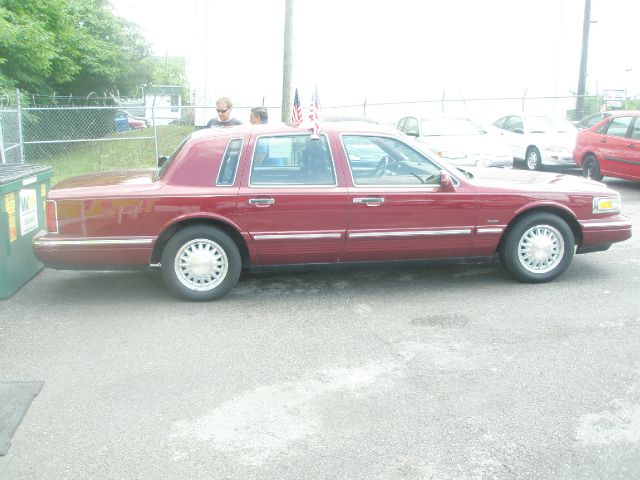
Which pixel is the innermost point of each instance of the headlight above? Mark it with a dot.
(452, 155)
(606, 204)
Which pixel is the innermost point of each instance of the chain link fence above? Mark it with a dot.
(95, 136)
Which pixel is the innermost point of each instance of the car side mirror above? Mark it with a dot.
(446, 184)
(162, 160)
(518, 130)
(412, 133)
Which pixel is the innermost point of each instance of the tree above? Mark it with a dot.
(68, 46)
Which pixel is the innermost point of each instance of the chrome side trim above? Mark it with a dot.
(300, 236)
(410, 233)
(93, 242)
(489, 229)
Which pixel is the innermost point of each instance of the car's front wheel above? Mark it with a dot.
(591, 168)
(533, 160)
(201, 263)
(538, 248)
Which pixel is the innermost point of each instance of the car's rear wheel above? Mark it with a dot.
(538, 248)
(201, 263)
(533, 160)
(591, 168)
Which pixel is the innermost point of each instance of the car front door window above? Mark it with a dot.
(387, 161)
(398, 209)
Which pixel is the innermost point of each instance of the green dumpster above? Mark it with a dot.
(23, 191)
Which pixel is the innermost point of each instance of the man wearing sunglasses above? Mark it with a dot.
(223, 107)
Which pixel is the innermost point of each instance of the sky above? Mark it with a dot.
(383, 51)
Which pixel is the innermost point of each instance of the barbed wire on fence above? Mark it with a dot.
(91, 133)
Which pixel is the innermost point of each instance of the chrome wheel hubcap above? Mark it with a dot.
(541, 249)
(201, 264)
(532, 160)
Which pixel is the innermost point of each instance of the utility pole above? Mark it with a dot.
(582, 78)
(287, 61)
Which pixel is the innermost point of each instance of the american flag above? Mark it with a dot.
(314, 113)
(296, 118)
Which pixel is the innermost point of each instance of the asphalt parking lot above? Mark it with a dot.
(394, 372)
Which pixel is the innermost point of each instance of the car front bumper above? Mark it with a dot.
(604, 231)
(558, 160)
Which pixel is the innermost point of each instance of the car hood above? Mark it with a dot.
(523, 180)
(135, 179)
(468, 144)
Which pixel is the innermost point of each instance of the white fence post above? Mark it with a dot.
(20, 139)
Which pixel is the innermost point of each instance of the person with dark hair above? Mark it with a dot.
(223, 107)
(258, 115)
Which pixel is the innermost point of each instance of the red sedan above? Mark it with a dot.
(611, 147)
(231, 199)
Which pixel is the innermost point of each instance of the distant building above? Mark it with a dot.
(163, 103)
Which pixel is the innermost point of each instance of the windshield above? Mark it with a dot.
(449, 127)
(549, 125)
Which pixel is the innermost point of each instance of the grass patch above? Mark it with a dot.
(116, 151)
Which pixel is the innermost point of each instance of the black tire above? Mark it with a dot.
(532, 160)
(591, 168)
(201, 263)
(538, 248)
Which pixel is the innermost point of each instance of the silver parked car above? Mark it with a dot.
(459, 140)
(539, 139)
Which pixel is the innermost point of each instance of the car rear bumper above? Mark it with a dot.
(53, 249)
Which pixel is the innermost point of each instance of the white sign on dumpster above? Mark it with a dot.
(28, 211)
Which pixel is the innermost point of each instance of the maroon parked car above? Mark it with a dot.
(611, 148)
(249, 196)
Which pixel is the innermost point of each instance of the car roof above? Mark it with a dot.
(438, 117)
(624, 113)
(283, 129)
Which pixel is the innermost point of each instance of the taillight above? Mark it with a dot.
(51, 214)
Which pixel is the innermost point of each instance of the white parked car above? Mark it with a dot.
(459, 140)
(539, 140)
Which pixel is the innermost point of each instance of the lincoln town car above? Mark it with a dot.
(230, 200)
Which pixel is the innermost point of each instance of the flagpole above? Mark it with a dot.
(287, 60)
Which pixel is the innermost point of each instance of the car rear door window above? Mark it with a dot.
(635, 129)
(411, 126)
(514, 124)
(618, 126)
(292, 160)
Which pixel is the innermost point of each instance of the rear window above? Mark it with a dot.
(229, 165)
(168, 162)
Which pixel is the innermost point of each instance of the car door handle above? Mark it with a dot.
(603, 140)
(262, 202)
(372, 201)
(632, 145)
